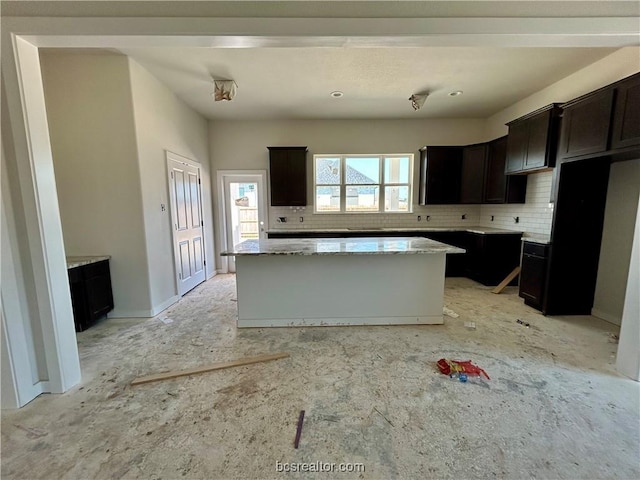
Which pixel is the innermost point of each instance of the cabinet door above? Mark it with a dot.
(472, 179)
(537, 143)
(517, 146)
(585, 125)
(532, 279)
(495, 182)
(626, 119)
(440, 171)
(288, 176)
(97, 285)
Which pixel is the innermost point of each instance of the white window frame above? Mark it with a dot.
(381, 185)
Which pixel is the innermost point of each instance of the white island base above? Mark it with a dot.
(314, 290)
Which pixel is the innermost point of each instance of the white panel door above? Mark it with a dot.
(188, 229)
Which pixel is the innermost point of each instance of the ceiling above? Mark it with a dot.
(288, 56)
(377, 82)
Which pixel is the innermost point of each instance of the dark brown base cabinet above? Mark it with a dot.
(533, 274)
(489, 258)
(91, 294)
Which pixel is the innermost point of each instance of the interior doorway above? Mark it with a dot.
(187, 224)
(244, 203)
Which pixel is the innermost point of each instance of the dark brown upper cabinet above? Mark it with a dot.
(288, 176)
(474, 158)
(626, 118)
(532, 141)
(603, 123)
(585, 124)
(440, 171)
(498, 187)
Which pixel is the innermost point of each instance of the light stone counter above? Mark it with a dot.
(73, 262)
(342, 246)
(470, 229)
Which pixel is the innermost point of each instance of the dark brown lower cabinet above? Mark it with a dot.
(91, 293)
(490, 258)
(533, 274)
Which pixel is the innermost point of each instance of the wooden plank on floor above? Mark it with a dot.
(209, 368)
(507, 281)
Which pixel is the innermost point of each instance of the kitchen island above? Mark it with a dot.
(340, 281)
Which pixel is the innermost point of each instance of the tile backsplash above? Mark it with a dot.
(534, 216)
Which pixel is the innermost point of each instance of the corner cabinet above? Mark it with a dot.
(498, 187)
(288, 176)
(532, 141)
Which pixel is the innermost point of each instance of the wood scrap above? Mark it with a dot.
(209, 368)
(507, 280)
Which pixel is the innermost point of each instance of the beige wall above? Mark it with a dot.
(89, 110)
(618, 65)
(242, 145)
(617, 239)
(164, 123)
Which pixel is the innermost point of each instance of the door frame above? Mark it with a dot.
(222, 207)
(171, 156)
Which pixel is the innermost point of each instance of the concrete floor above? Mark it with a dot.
(554, 407)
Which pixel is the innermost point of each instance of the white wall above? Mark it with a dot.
(242, 145)
(617, 240)
(618, 65)
(163, 122)
(89, 109)
(628, 359)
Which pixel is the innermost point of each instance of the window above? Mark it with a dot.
(362, 183)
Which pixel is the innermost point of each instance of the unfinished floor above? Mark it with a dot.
(554, 407)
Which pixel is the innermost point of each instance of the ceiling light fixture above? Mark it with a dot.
(456, 93)
(337, 94)
(224, 90)
(418, 99)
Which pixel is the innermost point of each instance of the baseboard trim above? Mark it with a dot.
(607, 317)
(164, 305)
(119, 313)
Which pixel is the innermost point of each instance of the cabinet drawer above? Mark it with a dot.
(536, 249)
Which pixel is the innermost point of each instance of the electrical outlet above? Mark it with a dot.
(427, 218)
(492, 218)
(419, 218)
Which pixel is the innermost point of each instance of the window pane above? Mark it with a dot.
(396, 199)
(327, 199)
(328, 171)
(362, 170)
(363, 199)
(396, 170)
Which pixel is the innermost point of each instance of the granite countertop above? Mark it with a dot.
(542, 239)
(342, 246)
(472, 229)
(73, 262)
